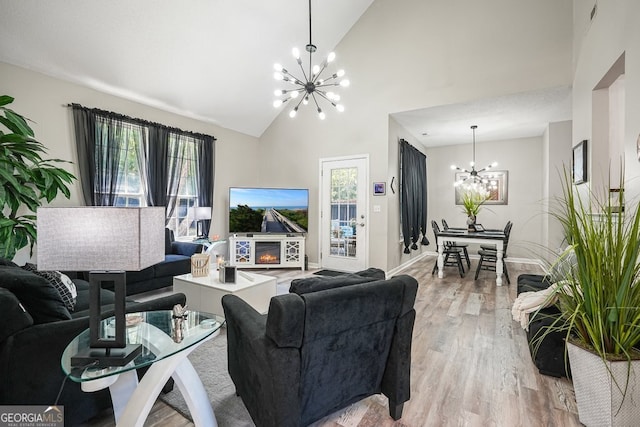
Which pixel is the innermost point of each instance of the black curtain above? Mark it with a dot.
(206, 162)
(157, 154)
(413, 196)
(100, 139)
(85, 127)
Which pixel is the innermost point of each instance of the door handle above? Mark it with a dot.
(361, 224)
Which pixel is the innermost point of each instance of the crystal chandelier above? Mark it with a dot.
(312, 85)
(474, 181)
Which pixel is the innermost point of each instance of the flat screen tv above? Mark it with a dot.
(268, 210)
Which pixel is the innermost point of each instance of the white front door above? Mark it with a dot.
(343, 228)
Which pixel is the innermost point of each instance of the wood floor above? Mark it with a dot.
(470, 362)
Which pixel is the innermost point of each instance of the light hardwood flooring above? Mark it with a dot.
(470, 362)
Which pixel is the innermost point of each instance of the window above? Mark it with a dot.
(132, 162)
(129, 189)
(181, 220)
(118, 179)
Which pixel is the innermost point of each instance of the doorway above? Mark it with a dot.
(343, 214)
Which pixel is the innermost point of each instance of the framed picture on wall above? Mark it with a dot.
(580, 162)
(379, 188)
(497, 183)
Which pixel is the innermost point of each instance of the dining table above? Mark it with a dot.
(463, 235)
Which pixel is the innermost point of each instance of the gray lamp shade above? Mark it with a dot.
(202, 213)
(100, 238)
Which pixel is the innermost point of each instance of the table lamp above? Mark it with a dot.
(106, 241)
(201, 213)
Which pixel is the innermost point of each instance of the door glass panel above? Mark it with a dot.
(344, 215)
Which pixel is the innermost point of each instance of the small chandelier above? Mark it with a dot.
(312, 85)
(473, 180)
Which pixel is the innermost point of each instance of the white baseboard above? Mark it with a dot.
(510, 260)
(396, 270)
(401, 267)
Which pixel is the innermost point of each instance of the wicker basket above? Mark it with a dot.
(200, 265)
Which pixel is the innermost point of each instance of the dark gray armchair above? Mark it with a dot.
(318, 352)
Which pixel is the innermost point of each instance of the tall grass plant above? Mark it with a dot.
(600, 299)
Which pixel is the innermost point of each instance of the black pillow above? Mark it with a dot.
(320, 283)
(61, 282)
(41, 300)
(4, 261)
(14, 314)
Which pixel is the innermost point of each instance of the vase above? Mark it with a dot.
(603, 395)
(471, 222)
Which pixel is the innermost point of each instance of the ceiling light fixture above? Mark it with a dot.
(312, 84)
(473, 178)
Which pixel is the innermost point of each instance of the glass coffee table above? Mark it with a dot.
(165, 352)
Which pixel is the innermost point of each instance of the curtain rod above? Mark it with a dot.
(401, 140)
(140, 121)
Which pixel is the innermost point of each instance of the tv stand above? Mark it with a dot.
(267, 251)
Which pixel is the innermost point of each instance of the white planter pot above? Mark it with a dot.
(599, 388)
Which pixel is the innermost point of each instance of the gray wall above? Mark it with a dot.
(597, 45)
(399, 56)
(556, 160)
(43, 99)
(414, 54)
(522, 158)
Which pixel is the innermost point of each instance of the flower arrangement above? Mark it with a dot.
(472, 199)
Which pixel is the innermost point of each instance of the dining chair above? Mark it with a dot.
(462, 246)
(492, 247)
(448, 252)
(489, 255)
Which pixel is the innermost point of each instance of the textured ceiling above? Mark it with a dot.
(207, 59)
(514, 116)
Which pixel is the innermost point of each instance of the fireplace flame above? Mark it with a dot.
(268, 259)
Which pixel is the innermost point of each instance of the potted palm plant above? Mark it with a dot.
(27, 180)
(472, 198)
(599, 302)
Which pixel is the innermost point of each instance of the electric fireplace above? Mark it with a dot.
(267, 253)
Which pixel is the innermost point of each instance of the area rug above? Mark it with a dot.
(210, 361)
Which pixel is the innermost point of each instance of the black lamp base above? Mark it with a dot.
(106, 357)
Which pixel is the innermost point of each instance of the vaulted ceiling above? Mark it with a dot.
(207, 59)
(212, 60)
